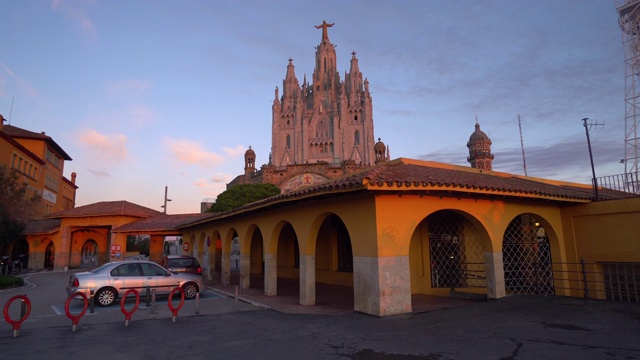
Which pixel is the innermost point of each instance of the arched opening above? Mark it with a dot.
(288, 258)
(446, 253)
(334, 263)
(89, 254)
(21, 251)
(526, 254)
(256, 260)
(50, 256)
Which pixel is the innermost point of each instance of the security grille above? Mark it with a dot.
(455, 252)
(622, 281)
(527, 257)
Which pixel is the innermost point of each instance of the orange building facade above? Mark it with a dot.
(39, 161)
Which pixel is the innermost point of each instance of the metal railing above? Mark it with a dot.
(623, 185)
(613, 281)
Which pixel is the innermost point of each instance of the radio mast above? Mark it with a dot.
(524, 162)
(629, 21)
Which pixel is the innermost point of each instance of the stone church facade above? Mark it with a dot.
(322, 129)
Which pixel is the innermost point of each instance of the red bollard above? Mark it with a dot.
(75, 318)
(16, 323)
(175, 310)
(127, 314)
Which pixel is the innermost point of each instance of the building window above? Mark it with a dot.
(356, 136)
(53, 158)
(51, 182)
(288, 141)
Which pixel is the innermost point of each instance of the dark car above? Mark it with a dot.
(182, 264)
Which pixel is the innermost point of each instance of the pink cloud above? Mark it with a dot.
(192, 152)
(111, 148)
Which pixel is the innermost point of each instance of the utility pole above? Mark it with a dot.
(166, 189)
(524, 162)
(593, 169)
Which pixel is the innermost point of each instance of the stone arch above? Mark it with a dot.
(190, 244)
(333, 258)
(229, 277)
(529, 246)
(50, 255)
(198, 250)
(446, 252)
(215, 255)
(256, 258)
(89, 253)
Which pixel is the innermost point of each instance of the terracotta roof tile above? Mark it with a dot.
(16, 132)
(161, 222)
(416, 175)
(107, 208)
(40, 227)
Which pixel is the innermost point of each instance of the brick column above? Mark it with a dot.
(245, 270)
(307, 279)
(494, 270)
(62, 255)
(382, 285)
(270, 275)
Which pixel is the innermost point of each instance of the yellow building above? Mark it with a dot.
(39, 161)
(412, 227)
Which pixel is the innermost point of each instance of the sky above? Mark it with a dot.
(148, 94)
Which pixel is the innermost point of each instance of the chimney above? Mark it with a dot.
(73, 178)
(2, 120)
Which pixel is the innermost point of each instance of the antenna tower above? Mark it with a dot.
(524, 162)
(629, 21)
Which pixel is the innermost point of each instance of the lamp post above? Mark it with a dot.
(166, 189)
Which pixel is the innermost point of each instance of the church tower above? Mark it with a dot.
(479, 145)
(327, 120)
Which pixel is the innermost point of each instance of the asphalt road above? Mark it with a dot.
(517, 327)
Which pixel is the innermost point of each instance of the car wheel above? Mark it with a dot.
(105, 297)
(190, 290)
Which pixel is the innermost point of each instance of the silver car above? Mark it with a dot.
(113, 279)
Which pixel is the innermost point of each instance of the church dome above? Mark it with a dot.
(379, 147)
(478, 135)
(249, 152)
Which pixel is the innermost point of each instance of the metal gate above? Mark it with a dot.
(456, 253)
(526, 255)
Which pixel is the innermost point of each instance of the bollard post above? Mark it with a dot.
(197, 303)
(226, 279)
(241, 282)
(148, 296)
(92, 307)
(236, 300)
(153, 301)
(23, 307)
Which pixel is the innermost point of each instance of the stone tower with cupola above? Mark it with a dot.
(325, 120)
(479, 144)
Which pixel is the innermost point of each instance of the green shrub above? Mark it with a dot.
(8, 281)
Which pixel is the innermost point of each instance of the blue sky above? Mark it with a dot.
(147, 94)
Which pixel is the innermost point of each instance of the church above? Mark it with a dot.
(322, 129)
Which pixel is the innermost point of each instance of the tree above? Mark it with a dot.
(16, 207)
(241, 195)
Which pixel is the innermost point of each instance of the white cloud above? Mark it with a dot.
(110, 148)
(76, 11)
(238, 150)
(128, 88)
(192, 152)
